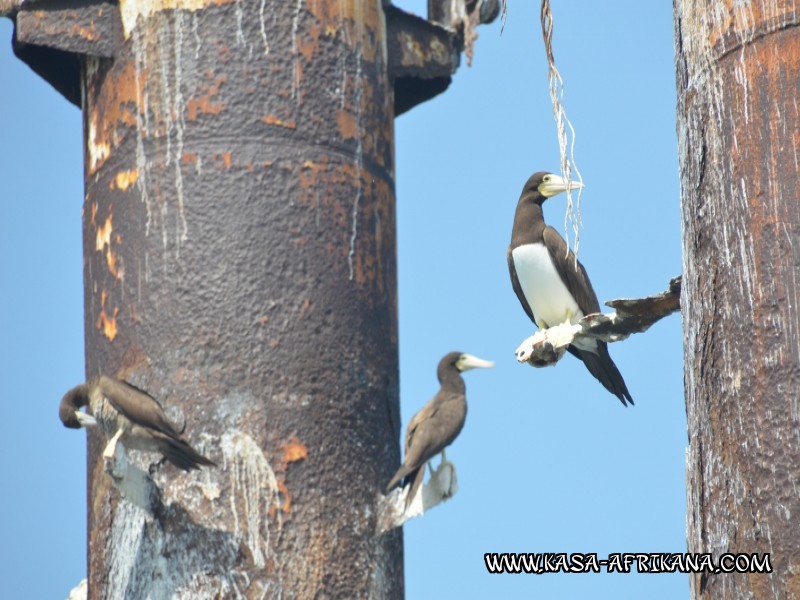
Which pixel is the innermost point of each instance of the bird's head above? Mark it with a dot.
(70, 411)
(464, 362)
(541, 186)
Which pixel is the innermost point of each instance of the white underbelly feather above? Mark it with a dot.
(548, 297)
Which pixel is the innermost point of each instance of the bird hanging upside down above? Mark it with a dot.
(128, 415)
(439, 422)
(550, 288)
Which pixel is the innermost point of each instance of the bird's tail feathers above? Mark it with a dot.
(415, 477)
(182, 455)
(605, 371)
(396, 480)
(405, 478)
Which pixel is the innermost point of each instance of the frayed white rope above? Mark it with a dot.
(567, 163)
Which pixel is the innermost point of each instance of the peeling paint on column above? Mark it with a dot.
(105, 323)
(204, 103)
(273, 120)
(124, 179)
(104, 231)
(103, 243)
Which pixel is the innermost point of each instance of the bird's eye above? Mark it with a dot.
(546, 178)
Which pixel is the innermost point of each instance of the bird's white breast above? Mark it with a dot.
(548, 297)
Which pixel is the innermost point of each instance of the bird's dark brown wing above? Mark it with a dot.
(577, 281)
(435, 427)
(411, 465)
(517, 287)
(431, 430)
(135, 404)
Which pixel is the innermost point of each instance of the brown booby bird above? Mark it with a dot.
(549, 287)
(435, 427)
(129, 415)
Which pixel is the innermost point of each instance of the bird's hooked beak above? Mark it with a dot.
(553, 184)
(466, 362)
(84, 419)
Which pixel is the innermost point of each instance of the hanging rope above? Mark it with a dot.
(568, 166)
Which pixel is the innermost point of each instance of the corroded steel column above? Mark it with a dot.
(738, 73)
(240, 266)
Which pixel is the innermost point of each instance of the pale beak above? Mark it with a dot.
(555, 185)
(467, 362)
(84, 419)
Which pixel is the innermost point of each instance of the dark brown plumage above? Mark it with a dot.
(435, 427)
(130, 415)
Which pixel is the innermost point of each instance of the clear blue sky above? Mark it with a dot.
(548, 460)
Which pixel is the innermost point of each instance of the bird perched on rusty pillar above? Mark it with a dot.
(128, 415)
(439, 422)
(551, 285)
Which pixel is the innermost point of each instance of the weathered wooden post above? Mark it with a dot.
(239, 264)
(738, 74)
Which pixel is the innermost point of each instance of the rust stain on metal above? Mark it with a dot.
(285, 506)
(75, 28)
(124, 179)
(309, 178)
(103, 244)
(106, 324)
(307, 47)
(98, 146)
(72, 26)
(226, 159)
(273, 120)
(113, 268)
(377, 218)
(103, 238)
(355, 15)
(111, 100)
(293, 450)
(88, 33)
(348, 127)
(189, 158)
(205, 104)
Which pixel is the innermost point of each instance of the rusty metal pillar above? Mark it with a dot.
(738, 75)
(239, 265)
